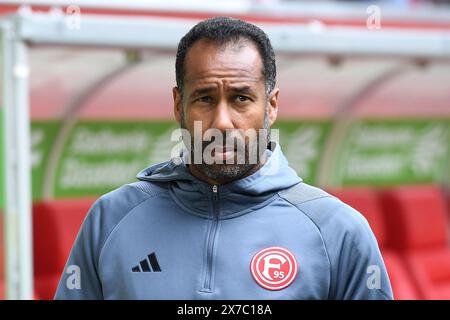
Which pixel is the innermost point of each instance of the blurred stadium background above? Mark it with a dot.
(365, 114)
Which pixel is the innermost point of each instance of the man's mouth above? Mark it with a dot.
(223, 153)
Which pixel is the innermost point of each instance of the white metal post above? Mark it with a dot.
(18, 231)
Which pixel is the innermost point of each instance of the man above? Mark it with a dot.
(224, 220)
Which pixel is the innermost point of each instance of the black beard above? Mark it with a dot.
(225, 172)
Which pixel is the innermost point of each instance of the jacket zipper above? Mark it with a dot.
(211, 239)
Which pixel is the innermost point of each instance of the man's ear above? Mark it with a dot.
(273, 105)
(177, 104)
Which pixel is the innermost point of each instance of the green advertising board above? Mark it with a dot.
(393, 152)
(101, 156)
(302, 144)
(43, 135)
(98, 157)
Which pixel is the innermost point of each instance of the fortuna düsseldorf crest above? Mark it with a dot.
(274, 268)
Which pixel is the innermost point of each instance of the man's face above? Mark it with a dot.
(224, 88)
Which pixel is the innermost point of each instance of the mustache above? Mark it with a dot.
(224, 143)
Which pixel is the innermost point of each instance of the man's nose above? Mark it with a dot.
(222, 117)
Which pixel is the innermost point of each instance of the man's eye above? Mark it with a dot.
(242, 98)
(206, 99)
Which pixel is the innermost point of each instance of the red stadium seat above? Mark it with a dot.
(55, 226)
(366, 201)
(418, 223)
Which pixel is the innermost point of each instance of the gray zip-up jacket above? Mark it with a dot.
(266, 236)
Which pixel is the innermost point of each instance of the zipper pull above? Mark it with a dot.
(214, 190)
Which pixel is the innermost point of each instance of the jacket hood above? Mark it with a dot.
(236, 197)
